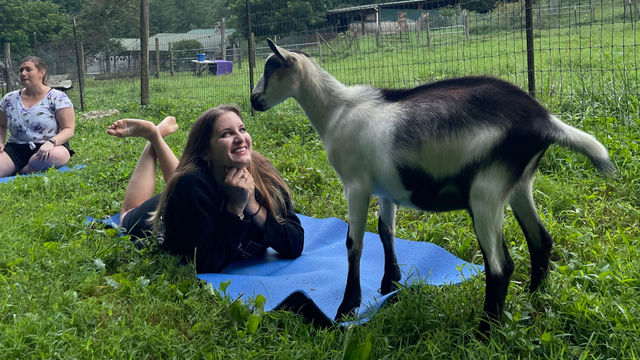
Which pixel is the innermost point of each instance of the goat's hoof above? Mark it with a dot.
(388, 286)
(390, 280)
(482, 334)
(345, 311)
(537, 280)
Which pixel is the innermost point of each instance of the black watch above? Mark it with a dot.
(52, 140)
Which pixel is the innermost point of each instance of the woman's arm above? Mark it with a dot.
(286, 238)
(66, 118)
(198, 229)
(3, 129)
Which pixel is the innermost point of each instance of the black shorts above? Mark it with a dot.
(21, 153)
(136, 223)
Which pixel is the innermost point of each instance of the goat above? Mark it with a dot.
(470, 143)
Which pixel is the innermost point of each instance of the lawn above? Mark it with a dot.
(75, 291)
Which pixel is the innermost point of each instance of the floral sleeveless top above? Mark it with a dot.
(36, 124)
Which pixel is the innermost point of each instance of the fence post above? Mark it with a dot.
(144, 52)
(531, 70)
(319, 48)
(79, 64)
(237, 52)
(8, 68)
(378, 26)
(426, 24)
(223, 41)
(35, 43)
(251, 51)
(157, 57)
(465, 24)
(170, 60)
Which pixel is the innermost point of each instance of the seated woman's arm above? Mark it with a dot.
(3, 129)
(286, 238)
(66, 118)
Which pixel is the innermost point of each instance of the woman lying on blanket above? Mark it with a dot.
(41, 121)
(222, 201)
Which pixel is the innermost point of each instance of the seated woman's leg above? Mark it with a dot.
(58, 156)
(142, 182)
(7, 167)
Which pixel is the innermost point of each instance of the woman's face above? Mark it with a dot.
(30, 74)
(230, 144)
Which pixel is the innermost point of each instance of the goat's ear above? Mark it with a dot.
(276, 51)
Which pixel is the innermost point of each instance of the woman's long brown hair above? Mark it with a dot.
(273, 190)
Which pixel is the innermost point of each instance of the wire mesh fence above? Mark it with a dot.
(583, 55)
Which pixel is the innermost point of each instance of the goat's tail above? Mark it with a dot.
(577, 140)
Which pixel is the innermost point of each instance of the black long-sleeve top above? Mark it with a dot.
(197, 226)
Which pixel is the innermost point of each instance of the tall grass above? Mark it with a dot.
(75, 291)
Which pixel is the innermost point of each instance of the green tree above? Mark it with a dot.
(20, 20)
(13, 17)
(272, 18)
(101, 21)
(71, 7)
(187, 45)
(176, 16)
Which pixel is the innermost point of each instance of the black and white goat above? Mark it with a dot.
(471, 143)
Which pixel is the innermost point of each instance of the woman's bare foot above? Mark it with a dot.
(167, 126)
(132, 127)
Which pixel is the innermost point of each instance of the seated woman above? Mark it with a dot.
(222, 200)
(41, 121)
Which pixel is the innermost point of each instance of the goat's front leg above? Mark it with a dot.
(387, 231)
(358, 203)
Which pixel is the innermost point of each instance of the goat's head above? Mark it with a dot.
(280, 79)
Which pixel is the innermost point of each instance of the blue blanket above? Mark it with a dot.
(313, 284)
(60, 169)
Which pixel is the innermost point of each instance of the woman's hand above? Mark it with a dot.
(239, 187)
(45, 150)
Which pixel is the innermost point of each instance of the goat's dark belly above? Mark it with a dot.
(430, 194)
(446, 198)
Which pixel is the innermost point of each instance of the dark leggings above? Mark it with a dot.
(136, 223)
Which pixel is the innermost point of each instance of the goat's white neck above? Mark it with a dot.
(321, 97)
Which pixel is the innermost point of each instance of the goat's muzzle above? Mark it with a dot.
(257, 103)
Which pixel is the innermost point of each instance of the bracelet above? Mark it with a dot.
(257, 211)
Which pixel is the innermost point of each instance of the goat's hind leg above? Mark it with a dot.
(538, 239)
(387, 231)
(486, 203)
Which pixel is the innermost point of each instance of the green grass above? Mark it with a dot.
(75, 291)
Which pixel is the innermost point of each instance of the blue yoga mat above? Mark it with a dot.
(60, 169)
(313, 284)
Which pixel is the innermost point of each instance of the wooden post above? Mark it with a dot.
(251, 51)
(465, 24)
(531, 68)
(35, 43)
(171, 60)
(107, 62)
(79, 64)
(427, 25)
(319, 48)
(237, 51)
(378, 26)
(157, 58)
(10, 76)
(144, 52)
(223, 41)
